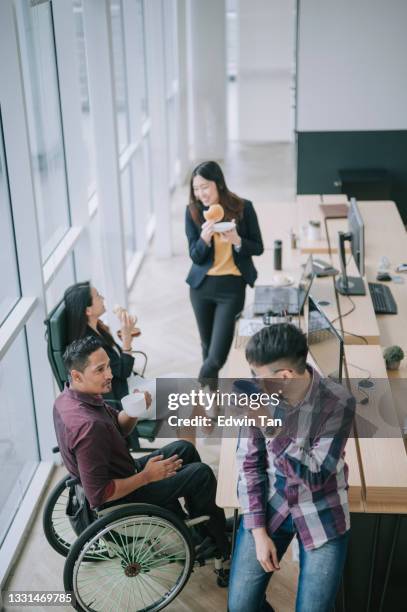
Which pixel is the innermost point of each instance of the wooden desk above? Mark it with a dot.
(335, 198)
(377, 556)
(362, 322)
(309, 209)
(390, 239)
(383, 459)
(276, 219)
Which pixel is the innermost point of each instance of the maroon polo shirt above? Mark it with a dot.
(91, 443)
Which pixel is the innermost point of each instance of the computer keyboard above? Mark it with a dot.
(382, 298)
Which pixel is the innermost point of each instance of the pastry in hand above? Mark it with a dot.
(118, 311)
(214, 213)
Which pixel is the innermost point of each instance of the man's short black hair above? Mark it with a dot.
(77, 353)
(282, 341)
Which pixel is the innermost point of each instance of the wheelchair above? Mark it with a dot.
(130, 556)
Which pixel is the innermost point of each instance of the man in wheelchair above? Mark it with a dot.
(91, 438)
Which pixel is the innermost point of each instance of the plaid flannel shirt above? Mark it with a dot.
(301, 471)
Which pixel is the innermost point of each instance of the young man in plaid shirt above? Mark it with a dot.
(292, 481)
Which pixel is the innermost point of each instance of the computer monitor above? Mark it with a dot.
(357, 229)
(352, 285)
(305, 282)
(324, 342)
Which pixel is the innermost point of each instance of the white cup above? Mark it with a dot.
(135, 405)
(314, 232)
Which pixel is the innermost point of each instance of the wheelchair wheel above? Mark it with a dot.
(145, 557)
(57, 527)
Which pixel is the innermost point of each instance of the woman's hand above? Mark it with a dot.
(207, 231)
(232, 236)
(127, 326)
(266, 551)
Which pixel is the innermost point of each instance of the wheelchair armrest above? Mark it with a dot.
(71, 482)
(145, 360)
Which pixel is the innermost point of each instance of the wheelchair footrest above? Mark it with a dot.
(222, 579)
(205, 550)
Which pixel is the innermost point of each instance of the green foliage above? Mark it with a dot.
(393, 353)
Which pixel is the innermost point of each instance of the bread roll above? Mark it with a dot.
(119, 310)
(214, 213)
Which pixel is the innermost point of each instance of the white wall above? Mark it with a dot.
(352, 65)
(266, 54)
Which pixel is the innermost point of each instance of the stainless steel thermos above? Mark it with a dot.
(278, 254)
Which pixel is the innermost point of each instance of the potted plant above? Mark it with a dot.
(393, 355)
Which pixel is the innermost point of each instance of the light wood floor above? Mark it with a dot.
(169, 336)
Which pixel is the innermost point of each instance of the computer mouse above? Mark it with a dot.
(383, 276)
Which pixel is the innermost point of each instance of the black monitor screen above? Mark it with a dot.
(356, 228)
(324, 342)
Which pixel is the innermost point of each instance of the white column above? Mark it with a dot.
(158, 133)
(266, 70)
(207, 77)
(183, 137)
(102, 99)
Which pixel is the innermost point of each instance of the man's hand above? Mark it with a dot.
(147, 396)
(266, 551)
(158, 468)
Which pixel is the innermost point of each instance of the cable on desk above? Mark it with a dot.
(352, 334)
(342, 316)
(362, 384)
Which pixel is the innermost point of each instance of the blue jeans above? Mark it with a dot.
(320, 572)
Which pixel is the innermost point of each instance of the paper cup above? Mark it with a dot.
(135, 405)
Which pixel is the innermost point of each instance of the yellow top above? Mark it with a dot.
(223, 262)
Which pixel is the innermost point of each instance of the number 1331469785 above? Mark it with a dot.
(33, 598)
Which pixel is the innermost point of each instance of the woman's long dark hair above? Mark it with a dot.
(77, 299)
(231, 203)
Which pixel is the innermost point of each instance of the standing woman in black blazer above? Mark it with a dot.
(222, 264)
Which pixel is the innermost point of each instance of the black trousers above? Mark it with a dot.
(216, 303)
(195, 482)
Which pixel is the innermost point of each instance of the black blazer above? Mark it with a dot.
(121, 365)
(202, 254)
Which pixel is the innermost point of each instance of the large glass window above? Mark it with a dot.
(170, 32)
(171, 85)
(63, 279)
(9, 286)
(120, 77)
(141, 60)
(18, 445)
(128, 212)
(87, 123)
(44, 122)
